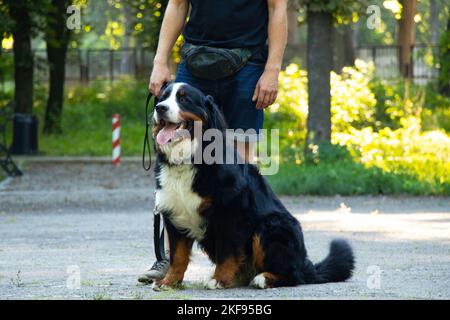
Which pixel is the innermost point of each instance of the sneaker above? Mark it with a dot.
(156, 272)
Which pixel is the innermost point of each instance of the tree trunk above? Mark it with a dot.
(444, 58)
(406, 37)
(293, 46)
(320, 62)
(126, 55)
(2, 75)
(435, 7)
(57, 39)
(292, 15)
(23, 59)
(349, 45)
(344, 50)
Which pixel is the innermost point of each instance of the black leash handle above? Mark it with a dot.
(147, 147)
(148, 126)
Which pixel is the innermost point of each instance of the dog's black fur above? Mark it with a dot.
(248, 231)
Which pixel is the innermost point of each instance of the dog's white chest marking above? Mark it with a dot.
(176, 196)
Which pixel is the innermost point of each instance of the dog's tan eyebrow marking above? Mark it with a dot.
(190, 116)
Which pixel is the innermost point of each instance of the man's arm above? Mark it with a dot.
(171, 28)
(267, 88)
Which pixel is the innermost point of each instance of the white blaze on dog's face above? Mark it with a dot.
(179, 107)
(167, 109)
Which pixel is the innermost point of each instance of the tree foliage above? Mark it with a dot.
(343, 11)
(119, 23)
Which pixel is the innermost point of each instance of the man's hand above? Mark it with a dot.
(266, 89)
(160, 74)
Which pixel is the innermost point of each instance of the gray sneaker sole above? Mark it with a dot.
(149, 279)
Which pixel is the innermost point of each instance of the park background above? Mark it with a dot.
(378, 94)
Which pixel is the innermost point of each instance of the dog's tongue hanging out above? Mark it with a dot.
(166, 134)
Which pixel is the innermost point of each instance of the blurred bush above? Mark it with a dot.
(388, 137)
(379, 123)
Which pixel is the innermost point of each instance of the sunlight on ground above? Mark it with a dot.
(420, 226)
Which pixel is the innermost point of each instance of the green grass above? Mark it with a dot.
(348, 178)
(87, 116)
(94, 139)
(86, 126)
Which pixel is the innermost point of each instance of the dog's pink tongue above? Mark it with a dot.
(166, 134)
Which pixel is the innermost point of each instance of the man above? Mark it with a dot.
(257, 25)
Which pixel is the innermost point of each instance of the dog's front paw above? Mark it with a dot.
(163, 285)
(158, 286)
(213, 284)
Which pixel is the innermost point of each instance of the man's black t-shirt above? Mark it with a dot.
(229, 24)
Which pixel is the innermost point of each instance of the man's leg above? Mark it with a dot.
(159, 268)
(246, 150)
(240, 110)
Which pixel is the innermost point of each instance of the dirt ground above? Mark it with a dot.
(83, 230)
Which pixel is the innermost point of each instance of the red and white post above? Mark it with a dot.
(116, 139)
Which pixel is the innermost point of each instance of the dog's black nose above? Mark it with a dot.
(161, 108)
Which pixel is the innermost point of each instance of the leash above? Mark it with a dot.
(158, 236)
(158, 243)
(146, 137)
(148, 126)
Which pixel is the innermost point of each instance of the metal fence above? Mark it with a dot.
(385, 59)
(97, 64)
(103, 64)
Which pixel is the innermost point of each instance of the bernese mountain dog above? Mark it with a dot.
(228, 208)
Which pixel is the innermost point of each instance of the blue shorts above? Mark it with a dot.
(234, 97)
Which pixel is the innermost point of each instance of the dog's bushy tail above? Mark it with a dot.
(336, 267)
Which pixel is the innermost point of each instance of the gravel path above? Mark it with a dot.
(65, 219)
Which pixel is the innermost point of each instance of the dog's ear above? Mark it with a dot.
(215, 116)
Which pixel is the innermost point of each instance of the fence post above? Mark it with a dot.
(116, 139)
(88, 65)
(111, 65)
(80, 65)
(135, 64)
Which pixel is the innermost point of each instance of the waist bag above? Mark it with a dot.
(214, 63)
